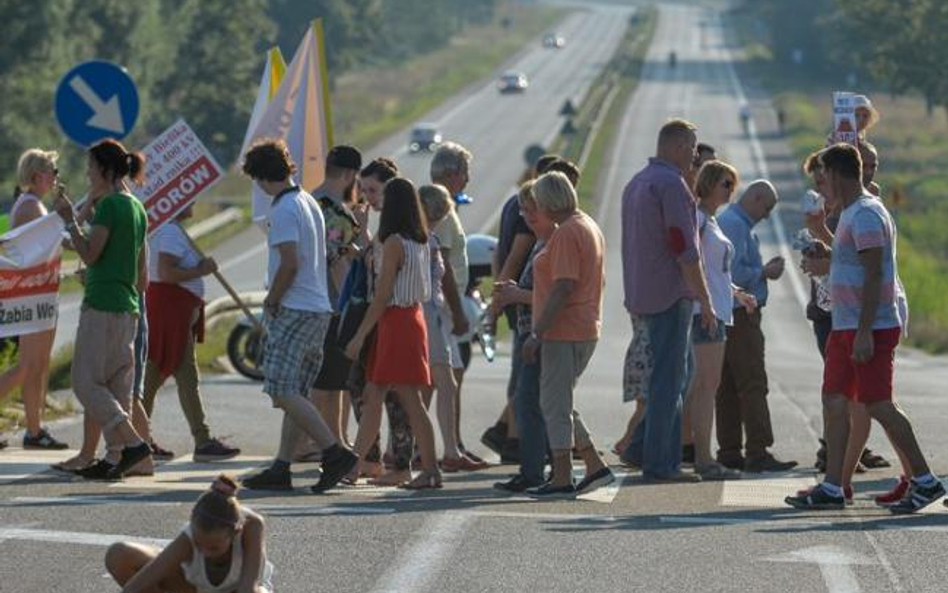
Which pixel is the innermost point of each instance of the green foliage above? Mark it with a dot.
(197, 59)
(912, 140)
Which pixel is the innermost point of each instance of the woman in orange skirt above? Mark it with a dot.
(398, 359)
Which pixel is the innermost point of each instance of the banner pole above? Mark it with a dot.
(230, 289)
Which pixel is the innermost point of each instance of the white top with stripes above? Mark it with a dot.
(413, 281)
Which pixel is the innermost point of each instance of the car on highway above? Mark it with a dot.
(424, 137)
(553, 41)
(512, 82)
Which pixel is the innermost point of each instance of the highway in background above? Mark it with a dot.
(709, 537)
(496, 128)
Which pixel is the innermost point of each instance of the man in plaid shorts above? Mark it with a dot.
(297, 316)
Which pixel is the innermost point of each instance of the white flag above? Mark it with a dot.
(299, 114)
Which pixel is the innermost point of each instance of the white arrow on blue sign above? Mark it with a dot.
(96, 100)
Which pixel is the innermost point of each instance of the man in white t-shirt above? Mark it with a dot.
(450, 167)
(297, 316)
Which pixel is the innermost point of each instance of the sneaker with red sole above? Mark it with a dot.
(462, 464)
(895, 495)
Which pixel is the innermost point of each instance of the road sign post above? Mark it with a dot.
(96, 100)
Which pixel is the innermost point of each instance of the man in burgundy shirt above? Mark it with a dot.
(663, 277)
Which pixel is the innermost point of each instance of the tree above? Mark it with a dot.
(217, 63)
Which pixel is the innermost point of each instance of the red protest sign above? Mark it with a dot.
(178, 167)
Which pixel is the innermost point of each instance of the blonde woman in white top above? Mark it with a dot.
(715, 183)
(36, 176)
(398, 359)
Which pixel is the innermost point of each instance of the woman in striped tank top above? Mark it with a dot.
(398, 358)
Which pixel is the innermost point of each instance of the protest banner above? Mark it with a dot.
(177, 168)
(844, 118)
(30, 257)
(299, 113)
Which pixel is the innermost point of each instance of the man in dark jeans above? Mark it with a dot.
(741, 402)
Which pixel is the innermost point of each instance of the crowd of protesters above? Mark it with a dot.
(360, 322)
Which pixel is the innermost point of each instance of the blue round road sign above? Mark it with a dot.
(96, 100)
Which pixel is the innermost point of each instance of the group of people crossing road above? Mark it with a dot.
(361, 321)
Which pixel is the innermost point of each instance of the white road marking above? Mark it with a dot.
(894, 579)
(91, 500)
(20, 464)
(606, 494)
(418, 566)
(277, 510)
(835, 566)
(75, 537)
(762, 493)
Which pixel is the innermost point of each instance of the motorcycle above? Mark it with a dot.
(245, 342)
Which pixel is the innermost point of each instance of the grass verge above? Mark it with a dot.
(913, 171)
(598, 117)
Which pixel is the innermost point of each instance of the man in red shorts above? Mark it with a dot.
(868, 315)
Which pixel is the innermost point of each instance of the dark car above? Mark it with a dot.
(424, 137)
(553, 41)
(512, 82)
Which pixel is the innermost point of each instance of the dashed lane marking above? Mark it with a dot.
(768, 493)
(182, 474)
(19, 464)
(75, 537)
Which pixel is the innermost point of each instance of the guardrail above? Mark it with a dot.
(196, 231)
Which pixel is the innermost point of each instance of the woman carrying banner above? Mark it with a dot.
(36, 176)
(115, 253)
(175, 311)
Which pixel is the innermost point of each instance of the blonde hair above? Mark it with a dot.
(33, 162)
(525, 195)
(555, 193)
(710, 175)
(435, 201)
(449, 158)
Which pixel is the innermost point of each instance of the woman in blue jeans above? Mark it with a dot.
(527, 413)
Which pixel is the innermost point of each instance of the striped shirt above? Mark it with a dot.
(413, 281)
(864, 224)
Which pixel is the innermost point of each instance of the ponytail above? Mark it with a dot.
(117, 163)
(218, 509)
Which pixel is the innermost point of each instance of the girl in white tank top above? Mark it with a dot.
(220, 550)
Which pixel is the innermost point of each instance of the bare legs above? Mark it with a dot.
(443, 378)
(699, 406)
(32, 373)
(410, 398)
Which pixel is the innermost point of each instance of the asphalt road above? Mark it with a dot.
(710, 537)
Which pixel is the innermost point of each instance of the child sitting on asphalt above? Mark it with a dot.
(221, 550)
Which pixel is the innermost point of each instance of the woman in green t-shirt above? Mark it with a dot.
(114, 251)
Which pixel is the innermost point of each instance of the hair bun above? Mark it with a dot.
(224, 485)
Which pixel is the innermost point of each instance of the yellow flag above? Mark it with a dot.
(299, 113)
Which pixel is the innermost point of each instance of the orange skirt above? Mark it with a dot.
(400, 353)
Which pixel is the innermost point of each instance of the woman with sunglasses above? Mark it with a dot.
(713, 188)
(36, 176)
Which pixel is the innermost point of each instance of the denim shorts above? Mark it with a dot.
(699, 335)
